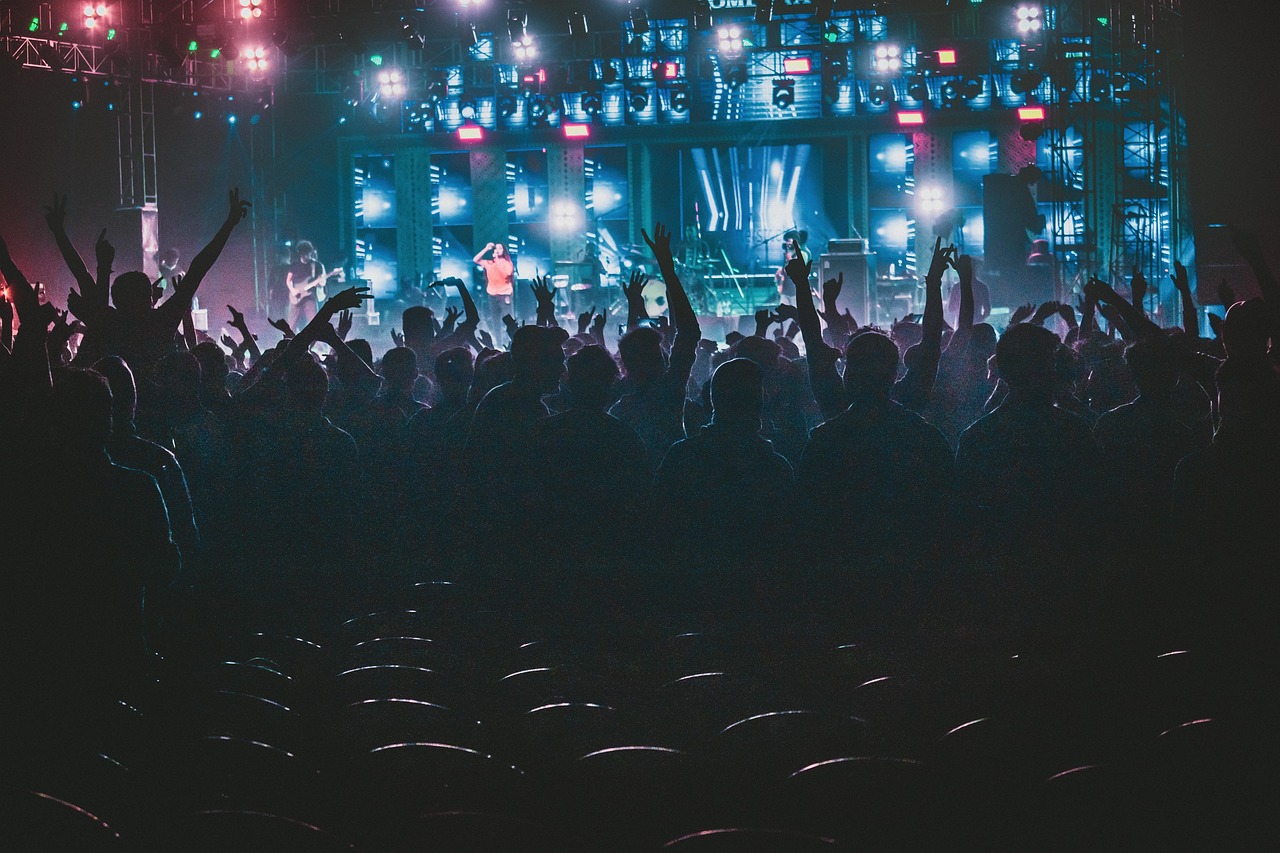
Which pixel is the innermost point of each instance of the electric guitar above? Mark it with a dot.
(298, 292)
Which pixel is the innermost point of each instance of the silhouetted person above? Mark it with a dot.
(881, 465)
(1028, 462)
(592, 474)
(726, 494)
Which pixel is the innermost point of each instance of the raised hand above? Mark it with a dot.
(764, 319)
(584, 320)
(345, 300)
(635, 288)
(486, 340)
(397, 338)
(1138, 286)
(229, 342)
(787, 312)
(1021, 313)
(544, 293)
(1215, 323)
(451, 315)
(798, 268)
(964, 266)
(831, 289)
(597, 325)
(659, 244)
(1180, 278)
(942, 258)
(510, 324)
(104, 251)
(282, 325)
(1067, 313)
(1226, 295)
(344, 325)
(238, 208)
(55, 215)
(1098, 290)
(237, 319)
(1044, 312)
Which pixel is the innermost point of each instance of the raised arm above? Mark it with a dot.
(683, 316)
(248, 341)
(824, 379)
(55, 216)
(177, 305)
(480, 254)
(105, 254)
(964, 319)
(633, 290)
(1132, 317)
(1190, 317)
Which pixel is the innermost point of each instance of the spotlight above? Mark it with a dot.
(638, 98)
(1030, 19)
(591, 102)
(1026, 81)
(764, 11)
(680, 98)
(437, 89)
(918, 88)
(639, 20)
(950, 91)
(467, 109)
(797, 65)
(250, 9)
(391, 83)
(506, 106)
(929, 200)
(731, 42)
(1031, 113)
(880, 94)
(231, 118)
(471, 133)
(94, 15)
(525, 50)
(197, 115)
(910, 118)
(735, 76)
(971, 88)
(255, 58)
(888, 58)
(947, 56)
(577, 131)
(537, 108)
(784, 93)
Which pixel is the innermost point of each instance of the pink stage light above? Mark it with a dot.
(911, 118)
(471, 133)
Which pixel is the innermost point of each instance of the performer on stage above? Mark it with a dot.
(304, 277)
(500, 278)
(787, 290)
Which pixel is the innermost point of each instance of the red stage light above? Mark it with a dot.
(947, 56)
(666, 70)
(577, 131)
(471, 133)
(1031, 113)
(797, 65)
(910, 118)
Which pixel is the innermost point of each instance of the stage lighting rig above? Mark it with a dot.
(521, 40)
(591, 102)
(784, 93)
(391, 83)
(918, 88)
(95, 15)
(638, 97)
(467, 109)
(255, 59)
(735, 76)
(887, 59)
(732, 40)
(1030, 20)
(680, 98)
(250, 9)
(879, 94)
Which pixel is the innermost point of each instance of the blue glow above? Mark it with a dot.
(231, 119)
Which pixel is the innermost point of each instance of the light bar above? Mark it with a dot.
(910, 118)
(946, 56)
(797, 65)
(1031, 113)
(471, 133)
(577, 131)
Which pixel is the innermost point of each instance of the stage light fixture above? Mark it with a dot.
(537, 108)
(197, 115)
(577, 131)
(918, 88)
(231, 118)
(797, 65)
(639, 20)
(506, 106)
(1031, 113)
(391, 83)
(591, 102)
(950, 91)
(250, 9)
(735, 76)
(929, 200)
(638, 98)
(467, 109)
(784, 93)
(764, 11)
(471, 133)
(946, 56)
(879, 94)
(526, 50)
(1030, 19)
(94, 15)
(255, 59)
(888, 58)
(680, 99)
(731, 42)
(609, 73)
(971, 88)
(910, 118)
(437, 90)
(702, 16)
(1026, 81)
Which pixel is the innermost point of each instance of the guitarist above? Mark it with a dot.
(306, 272)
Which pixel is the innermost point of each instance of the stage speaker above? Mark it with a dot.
(859, 269)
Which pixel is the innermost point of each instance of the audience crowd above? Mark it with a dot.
(932, 586)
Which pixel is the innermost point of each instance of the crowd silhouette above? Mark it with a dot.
(194, 525)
